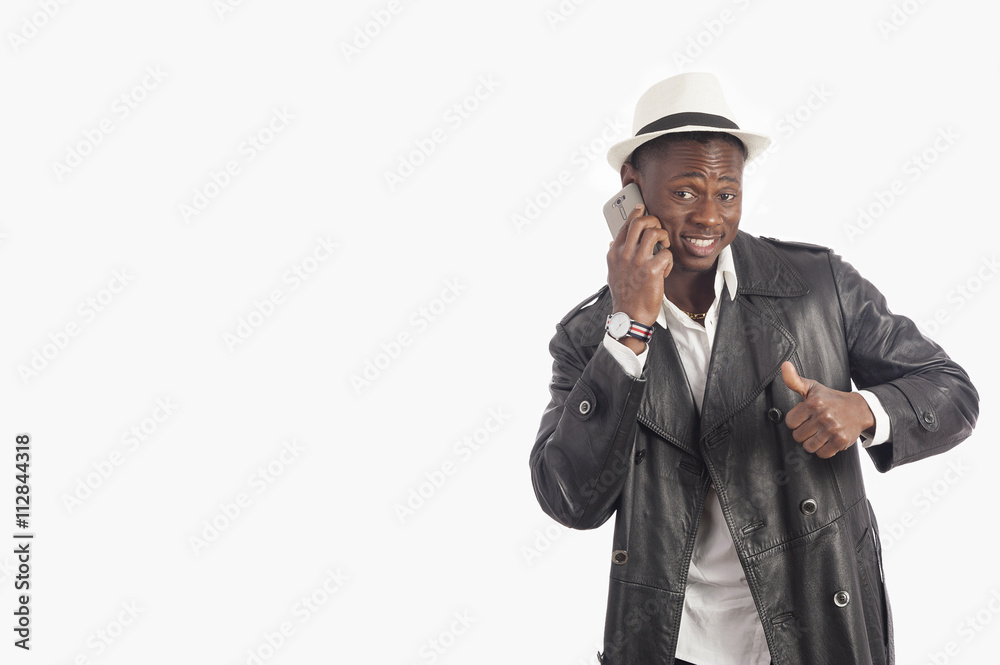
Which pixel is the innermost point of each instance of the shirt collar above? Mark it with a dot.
(725, 272)
(727, 267)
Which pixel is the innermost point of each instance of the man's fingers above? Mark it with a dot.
(812, 437)
(638, 211)
(668, 261)
(650, 237)
(634, 272)
(793, 380)
(622, 234)
(817, 433)
(797, 415)
(826, 421)
(637, 223)
(635, 242)
(633, 215)
(803, 427)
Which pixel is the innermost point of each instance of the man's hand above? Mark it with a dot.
(826, 421)
(635, 274)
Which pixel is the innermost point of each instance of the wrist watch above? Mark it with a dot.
(621, 325)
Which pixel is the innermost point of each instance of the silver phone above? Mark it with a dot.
(617, 209)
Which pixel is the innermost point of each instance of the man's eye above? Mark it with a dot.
(684, 195)
(727, 196)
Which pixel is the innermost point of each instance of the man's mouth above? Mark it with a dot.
(701, 246)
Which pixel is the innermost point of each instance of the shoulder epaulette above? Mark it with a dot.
(588, 302)
(801, 245)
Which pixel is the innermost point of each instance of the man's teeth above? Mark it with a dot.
(700, 242)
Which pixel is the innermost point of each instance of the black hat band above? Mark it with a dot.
(675, 120)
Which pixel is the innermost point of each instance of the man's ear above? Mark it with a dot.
(630, 174)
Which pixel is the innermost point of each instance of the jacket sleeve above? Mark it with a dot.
(583, 450)
(931, 402)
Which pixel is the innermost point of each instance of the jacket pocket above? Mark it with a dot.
(641, 626)
(873, 599)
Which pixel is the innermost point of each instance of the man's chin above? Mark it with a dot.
(706, 267)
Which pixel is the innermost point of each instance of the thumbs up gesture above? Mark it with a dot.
(826, 421)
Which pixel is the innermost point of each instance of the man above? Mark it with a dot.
(704, 396)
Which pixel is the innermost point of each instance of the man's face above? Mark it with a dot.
(695, 190)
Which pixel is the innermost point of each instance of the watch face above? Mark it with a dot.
(619, 324)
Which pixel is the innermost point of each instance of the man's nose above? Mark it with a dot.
(707, 213)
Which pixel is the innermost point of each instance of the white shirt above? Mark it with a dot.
(719, 625)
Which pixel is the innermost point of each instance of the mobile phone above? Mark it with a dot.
(617, 209)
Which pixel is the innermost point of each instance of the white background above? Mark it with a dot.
(850, 102)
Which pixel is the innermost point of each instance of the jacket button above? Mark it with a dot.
(929, 417)
(808, 506)
(640, 455)
(775, 415)
(584, 407)
(619, 557)
(841, 598)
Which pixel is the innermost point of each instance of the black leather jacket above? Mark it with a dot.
(804, 531)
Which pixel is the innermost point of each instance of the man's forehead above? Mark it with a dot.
(701, 175)
(695, 157)
(721, 142)
(707, 146)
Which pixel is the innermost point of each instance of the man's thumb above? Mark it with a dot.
(793, 380)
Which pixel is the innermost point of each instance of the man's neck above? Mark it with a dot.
(691, 291)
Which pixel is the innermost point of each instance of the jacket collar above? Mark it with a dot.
(760, 271)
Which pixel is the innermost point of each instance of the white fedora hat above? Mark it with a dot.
(690, 102)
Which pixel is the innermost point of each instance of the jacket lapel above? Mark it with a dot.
(667, 405)
(750, 341)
